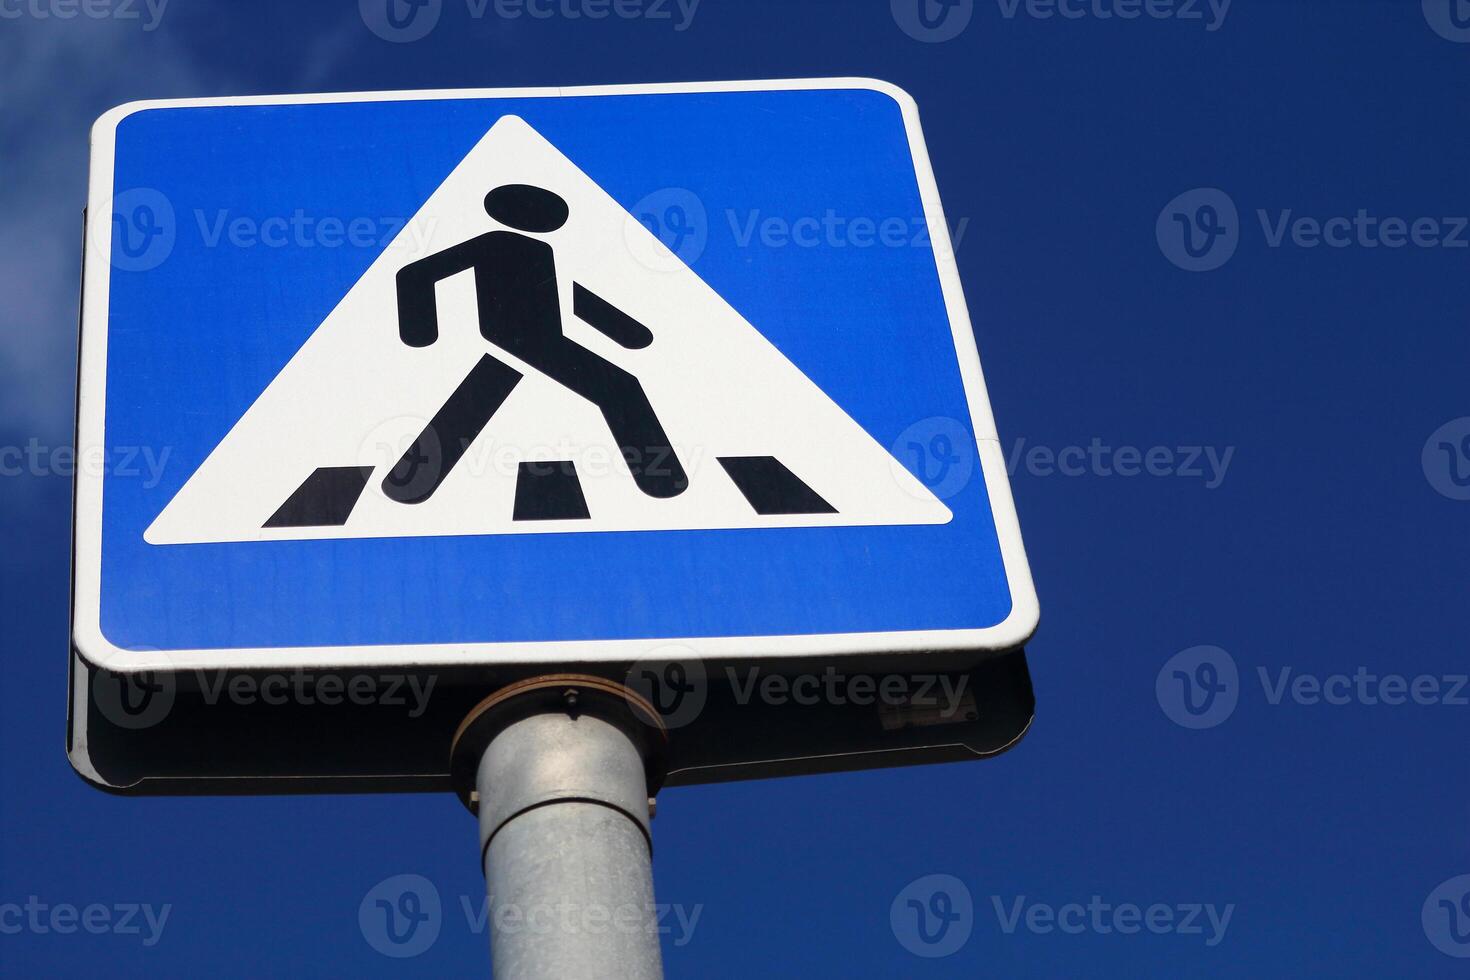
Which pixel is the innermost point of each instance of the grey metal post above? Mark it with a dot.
(563, 796)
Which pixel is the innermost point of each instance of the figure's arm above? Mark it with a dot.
(418, 313)
(607, 319)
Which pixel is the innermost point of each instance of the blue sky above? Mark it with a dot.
(1227, 238)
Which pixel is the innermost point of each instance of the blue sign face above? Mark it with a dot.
(532, 376)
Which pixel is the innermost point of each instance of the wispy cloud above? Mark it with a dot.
(328, 52)
(59, 76)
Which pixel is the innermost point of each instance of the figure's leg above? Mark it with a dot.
(448, 436)
(654, 464)
(626, 409)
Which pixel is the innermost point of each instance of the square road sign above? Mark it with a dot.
(542, 376)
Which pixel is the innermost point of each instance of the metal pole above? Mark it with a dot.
(563, 791)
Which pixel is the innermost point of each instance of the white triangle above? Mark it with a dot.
(356, 395)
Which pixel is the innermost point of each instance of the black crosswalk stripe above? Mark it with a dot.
(771, 488)
(549, 491)
(325, 499)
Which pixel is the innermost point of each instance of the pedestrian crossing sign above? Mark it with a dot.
(533, 377)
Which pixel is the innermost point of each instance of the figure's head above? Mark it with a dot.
(526, 208)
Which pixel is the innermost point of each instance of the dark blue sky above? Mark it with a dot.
(1326, 532)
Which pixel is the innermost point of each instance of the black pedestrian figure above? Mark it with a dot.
(520, 313)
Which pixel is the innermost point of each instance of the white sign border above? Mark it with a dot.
(89, 641)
